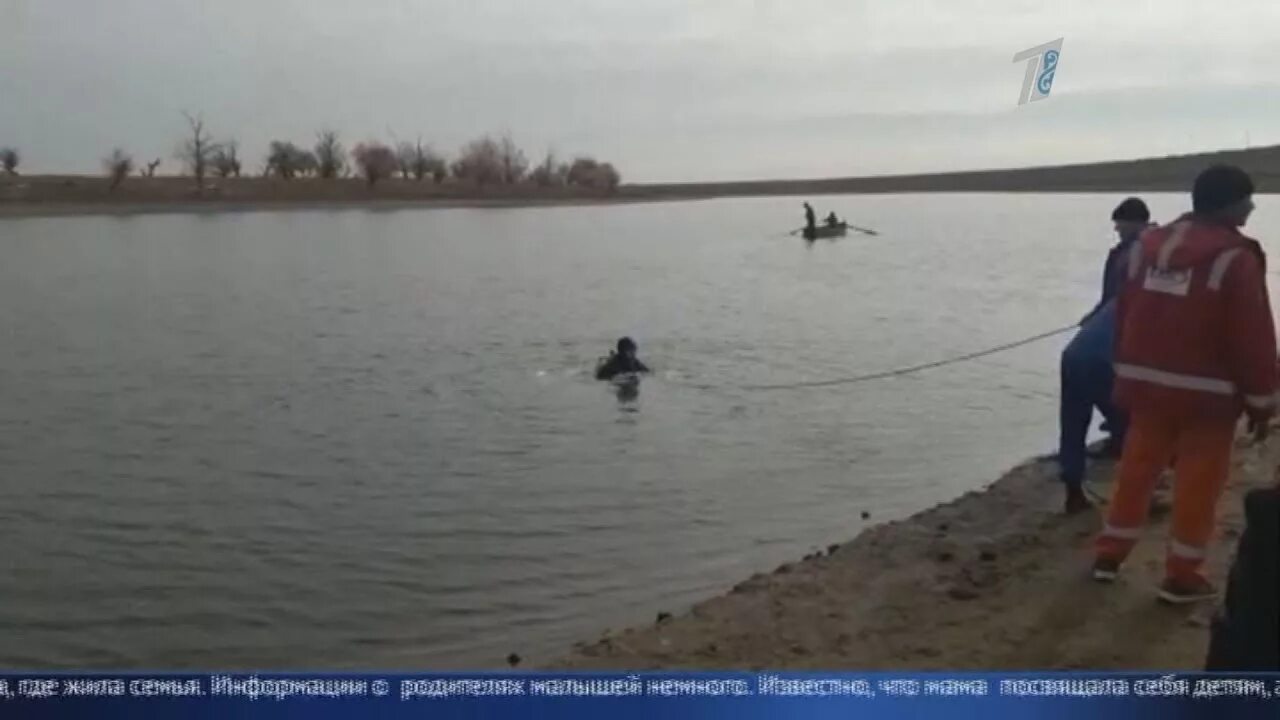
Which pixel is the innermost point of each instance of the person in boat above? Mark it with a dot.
(832, 220)
(1085, 370)
(810, 220)
(620, 361)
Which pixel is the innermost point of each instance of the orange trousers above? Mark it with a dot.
(1201, 451)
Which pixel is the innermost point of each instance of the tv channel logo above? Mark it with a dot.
(1042, 63)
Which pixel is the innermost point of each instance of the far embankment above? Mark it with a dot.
(1166, 174)
(57, 195)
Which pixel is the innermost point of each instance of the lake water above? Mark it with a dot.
(371, 439)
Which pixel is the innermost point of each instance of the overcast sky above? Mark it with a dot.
(667, 89)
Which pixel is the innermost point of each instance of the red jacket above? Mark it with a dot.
(1194, 331)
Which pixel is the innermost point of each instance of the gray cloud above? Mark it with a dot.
(669, 89)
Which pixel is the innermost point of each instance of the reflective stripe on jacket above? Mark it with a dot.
(1194, 331)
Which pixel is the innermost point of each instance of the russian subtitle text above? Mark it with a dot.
(256, 688)
(460, 687)
(481, 687)
(816, 687)
(1064, 687)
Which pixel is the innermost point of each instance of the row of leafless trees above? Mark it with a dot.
(484, 161)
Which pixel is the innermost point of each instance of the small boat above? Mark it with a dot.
(827, 231)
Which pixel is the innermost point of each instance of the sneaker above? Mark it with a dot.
(1185, 592)
(1105, 570)
(1077, 502)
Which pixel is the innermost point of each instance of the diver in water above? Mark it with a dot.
(622, 360)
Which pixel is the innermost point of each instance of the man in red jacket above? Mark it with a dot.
(1195, 347)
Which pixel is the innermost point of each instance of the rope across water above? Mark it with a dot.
(906, 370)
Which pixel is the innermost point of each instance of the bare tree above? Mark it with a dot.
(480, 162)
(589, 172)
(375, 161)
(418, 164)
(10, 158)
(513, 161)
(406, 154)
(429, 162)
(423, 161)
(197, 151)
(118, 165)
(225, 160)
(286, 160)
(151, 168)
(607, 177)
(330, 156)
(582, 171)
(549, 173)
(438, 168)
(306, 163)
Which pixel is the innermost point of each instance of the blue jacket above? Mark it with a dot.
(1113, 272)
(1094, 343)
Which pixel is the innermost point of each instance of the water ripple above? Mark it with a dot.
(261, 444)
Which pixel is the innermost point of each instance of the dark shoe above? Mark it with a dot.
(1109, 450)
(1105, 570)
(1185, 592)
(1077, 502)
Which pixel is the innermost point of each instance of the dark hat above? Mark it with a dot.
(625, 344)
(1131, 210)
(1219, 187)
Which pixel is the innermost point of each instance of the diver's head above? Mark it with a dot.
(1130, 217)
(1224, 192)
(626, 346)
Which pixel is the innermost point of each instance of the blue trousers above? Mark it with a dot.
(1086, 384)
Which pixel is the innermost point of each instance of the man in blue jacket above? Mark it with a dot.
(1130, 218)
(1086, 372)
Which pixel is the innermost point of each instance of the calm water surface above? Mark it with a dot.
(363, 439)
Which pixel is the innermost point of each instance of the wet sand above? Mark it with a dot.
(997, 579)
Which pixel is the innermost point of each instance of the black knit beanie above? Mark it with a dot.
(1220, 186)
(1131, 210)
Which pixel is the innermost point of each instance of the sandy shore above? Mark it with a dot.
(997, 579)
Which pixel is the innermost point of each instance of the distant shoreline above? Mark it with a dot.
(57, 209)
(46, 195)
